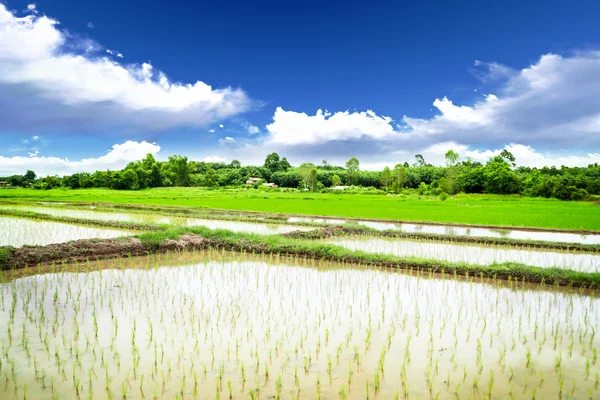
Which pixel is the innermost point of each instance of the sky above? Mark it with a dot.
(97, 84)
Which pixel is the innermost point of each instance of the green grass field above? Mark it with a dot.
(466, 209)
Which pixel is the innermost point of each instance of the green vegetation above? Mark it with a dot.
(460, 209)
(500, 175)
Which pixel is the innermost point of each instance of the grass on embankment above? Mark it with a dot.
(190, 238)
(321, 231)
(462, 209)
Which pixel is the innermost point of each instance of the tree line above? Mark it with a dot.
(499, 175)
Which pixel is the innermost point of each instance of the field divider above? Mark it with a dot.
(345, 231)
(132, 226)
(201, 238)
(284, 216)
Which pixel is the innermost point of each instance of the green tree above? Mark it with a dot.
(451, 158)
(400, 175)
(210, 178)
(181, 169)
(273, 162)
(235, 164)
(284, 165)
(449, 185)
(335, 180)
(386, 178)
(352, 166)
(29, 176)
(130, 180)
(419, 160)
(306, 174)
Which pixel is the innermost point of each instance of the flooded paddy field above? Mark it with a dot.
(19, 232)
(234, 226)
(215, 326)
(538, 235)
(470, 254)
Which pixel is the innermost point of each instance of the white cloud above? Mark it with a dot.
(211, 130)
(221, 126)
(552, 106)
(90, 25)
(251, 129)
(114, 53)
(35, 137)
(31, 7)
(214, 159)
(117, 158)
(227, 140)
(293, 128)
(553, 103)
(42, 65)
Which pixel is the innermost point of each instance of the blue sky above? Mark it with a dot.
(86, 85)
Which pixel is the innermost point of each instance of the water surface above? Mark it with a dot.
(18, 232)
(282, 329)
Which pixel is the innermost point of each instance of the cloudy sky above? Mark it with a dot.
(96, 84)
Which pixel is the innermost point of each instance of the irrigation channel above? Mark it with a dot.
(220, 325)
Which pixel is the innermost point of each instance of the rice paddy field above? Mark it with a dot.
(304, 308)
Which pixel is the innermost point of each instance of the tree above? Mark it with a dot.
(335, 180)
(284, 165)
(272, 162)
(451, 158)
(210, 178)
(386, 178)
(306, 174)
(419, 160)
(235, 164)
(508, 156)
(400, 175)
(181, 169)
(451, 161)
(29, 176)
(313, 179)
(352, 166)
(130, 180)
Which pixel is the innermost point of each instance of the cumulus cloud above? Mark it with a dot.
(554, 103)
(294, 128)
(227, 140)
(549, 111)
(114, 53)
(117, 158)
(251, 129)
(72, 86)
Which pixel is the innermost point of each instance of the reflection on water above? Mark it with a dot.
(463, 231)
(234, 226)
(478, 255)
(18, 232)
(214, 327)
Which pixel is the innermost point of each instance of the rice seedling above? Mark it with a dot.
(192, 324)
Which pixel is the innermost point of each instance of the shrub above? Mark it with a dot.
(444, 196)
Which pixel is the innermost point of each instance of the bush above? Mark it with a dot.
(422, 188)
(444, 196)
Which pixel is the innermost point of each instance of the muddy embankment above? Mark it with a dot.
(84, 250)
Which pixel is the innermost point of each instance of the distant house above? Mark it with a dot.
(339, 187)
(3, 184)
(252, 181)
(271, 185)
